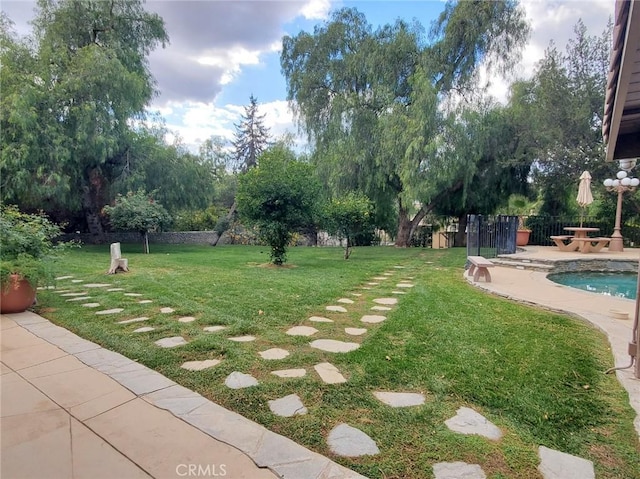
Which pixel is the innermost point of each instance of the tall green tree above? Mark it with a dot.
(369, 99)
(70, 92)
(280, 196)
(251, 138)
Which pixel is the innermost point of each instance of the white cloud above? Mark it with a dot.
(316, 9)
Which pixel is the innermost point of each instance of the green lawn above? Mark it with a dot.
(537, 375)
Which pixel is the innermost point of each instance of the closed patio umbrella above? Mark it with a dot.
(584, 198)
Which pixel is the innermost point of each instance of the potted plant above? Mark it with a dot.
(522, 237)
(26, 255)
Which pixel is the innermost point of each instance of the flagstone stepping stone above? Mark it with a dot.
(458, 470)
(320, 319)
(200, 365)
(355, 331)
(399, 267)
(355, 294)
(186, 319)
(345, 440)
(395, 399)
(145, 329)
(145, 301)
(77, 280)
(372, 318)
(84, 293)
(387, 274)
(329, 373)
(398, 292)
(334, 346)
(166, 310)
(91, 305)
(60, 278)
(468, 421)
(242, 339)
(404, 285)
(336, 309)
(373, 284)
(560, 465)
(96, 285)
(387, 301)
(380, 278)
(238, 380)
(111, 290)
(110, 311)
(274, 353)
(381, 308)
(302, 331)
(345, 301)
(214, 329)
(79, 298)
(365, 287)
(290, 373)
(171, 342)
(287, 406)
(134, 320)
(133, 295)
(60, 291)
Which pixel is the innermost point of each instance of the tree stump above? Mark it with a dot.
(118, 263)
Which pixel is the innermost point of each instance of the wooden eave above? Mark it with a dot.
(621, 125)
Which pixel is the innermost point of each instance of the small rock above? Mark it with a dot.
(348, 441)
(171, 342)
(238, 380)
(200, 365)
(302, 331)
(287, 406)
(274, 353)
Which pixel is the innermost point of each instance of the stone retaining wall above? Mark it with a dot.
(165, 237)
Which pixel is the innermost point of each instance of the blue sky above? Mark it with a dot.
(222, 51)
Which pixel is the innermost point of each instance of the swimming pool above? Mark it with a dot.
(618, 284)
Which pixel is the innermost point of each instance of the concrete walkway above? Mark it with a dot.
(71, 408)
(533, 287)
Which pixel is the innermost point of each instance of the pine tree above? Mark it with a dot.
(252, 137)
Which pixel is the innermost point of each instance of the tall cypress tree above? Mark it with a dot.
(252, 137)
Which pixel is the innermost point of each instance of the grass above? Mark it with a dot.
(535, 374)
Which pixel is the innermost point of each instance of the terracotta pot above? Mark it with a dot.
(17, 297)
(522, 238)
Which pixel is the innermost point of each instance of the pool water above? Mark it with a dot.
(621, 285)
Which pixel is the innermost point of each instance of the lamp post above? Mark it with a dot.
(620, 185)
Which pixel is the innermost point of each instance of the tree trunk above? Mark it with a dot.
(145, 242)
(407, 226)
(460, 238)
(229, 218)
(91, 205)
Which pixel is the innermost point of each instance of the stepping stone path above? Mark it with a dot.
(166, 310)
(329, 373)
(133, 295)
(186, 319)
(334, 346)
(337, 309)
(171, 342)
(355, 294)
(355, 331)
(381, 308)
(302, 331)
(386, 301)
(287, 406)
(404, 285)
(395, 399)
(213, 329)
(348, 441)
(238, 380)
(145, 301)
(398, 292)
(200, 365)
(115, 289)
(320, 319)
(345, 301)
(290, 373)
(467, 421)
(96, 285)
(242, 339)
(458, 470)
(274, 353)
(60, 278)
(134, 320)
(77, 280)
(559, 465)
(91, 305)
(79, 298)
(380, 278)
(111, 311)
(373, 284)
(372, 318)
(75, 294)
(144, 329)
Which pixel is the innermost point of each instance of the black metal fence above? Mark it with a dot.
(490, 236)
(543, 227)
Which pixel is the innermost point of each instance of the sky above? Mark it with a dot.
(223, 51)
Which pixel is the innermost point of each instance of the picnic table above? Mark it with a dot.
(580, 240)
